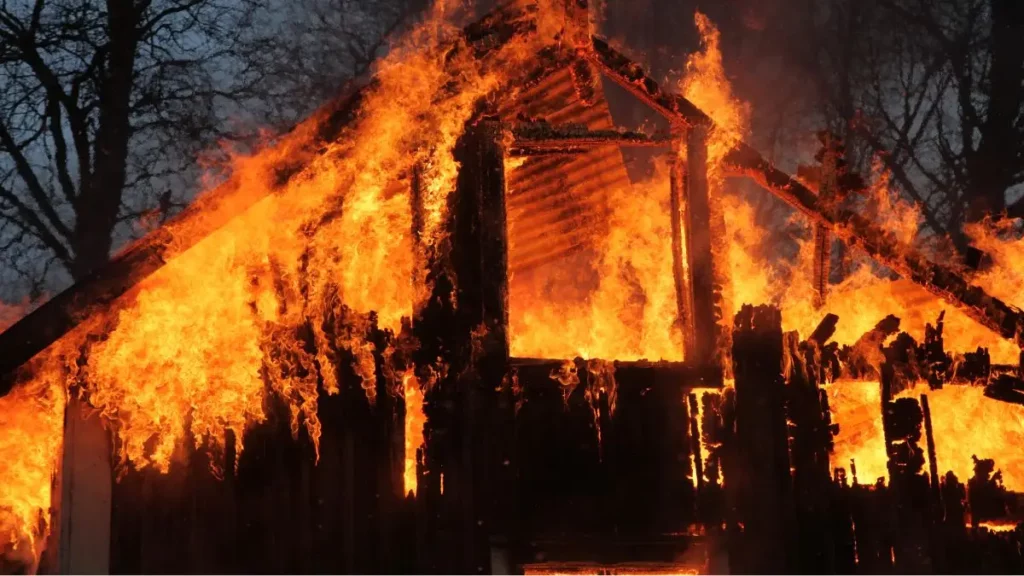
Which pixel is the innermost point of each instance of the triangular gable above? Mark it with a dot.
(550, 97)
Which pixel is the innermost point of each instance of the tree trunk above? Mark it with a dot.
(993, 165)
(100, 197)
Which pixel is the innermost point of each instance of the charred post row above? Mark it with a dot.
(763, 491)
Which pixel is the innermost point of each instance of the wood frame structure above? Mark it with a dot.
(692, 236)
(855, 230)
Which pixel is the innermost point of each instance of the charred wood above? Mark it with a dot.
(533, 137)
(810, 434)
(763, 491)
(697, 229)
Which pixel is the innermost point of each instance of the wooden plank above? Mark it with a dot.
(532, 137)
(469, 336)
(822, 235)
(764, 485)
(680, 267)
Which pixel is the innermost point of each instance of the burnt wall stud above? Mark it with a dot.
(698, 237)
(763, 487)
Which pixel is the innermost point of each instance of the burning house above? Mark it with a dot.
(440, 327)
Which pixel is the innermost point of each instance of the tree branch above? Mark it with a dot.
(35, 188)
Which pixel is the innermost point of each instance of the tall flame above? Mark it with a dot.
(707, 86)
(240, 318)
(414, 421)
(196, 350)
(31, 434)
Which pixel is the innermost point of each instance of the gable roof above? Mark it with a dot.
(554, 96)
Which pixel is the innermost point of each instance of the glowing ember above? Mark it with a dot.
(998, 526)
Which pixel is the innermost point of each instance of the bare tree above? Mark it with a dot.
(107, 105)
(933, 87)
(103, 109)
(309, 48)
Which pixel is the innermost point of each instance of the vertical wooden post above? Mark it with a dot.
(822, 236)
(479, 259)
(763, 487)
(938, 551)
(86, 486)
(822, 264)
(697, 230)
(680, 267)
(933, 465)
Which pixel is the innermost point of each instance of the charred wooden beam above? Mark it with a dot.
(680, 267)
(822, 235)
(850, 227)
(479, 359)
(810, 443)
(539, 137)
(764, 487)
(933, 465)
(826, 328)
(697, 233)
(822, 264)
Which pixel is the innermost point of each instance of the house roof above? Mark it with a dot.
(540, 200)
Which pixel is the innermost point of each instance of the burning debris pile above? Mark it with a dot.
(411, 309)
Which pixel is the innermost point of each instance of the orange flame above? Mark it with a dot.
(414, 421)
(31, 435)
(707, 86)
(864, 296)
(965, 423)
(629, 314)
(197, 349)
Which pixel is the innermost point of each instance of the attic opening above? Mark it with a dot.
(590, 267)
